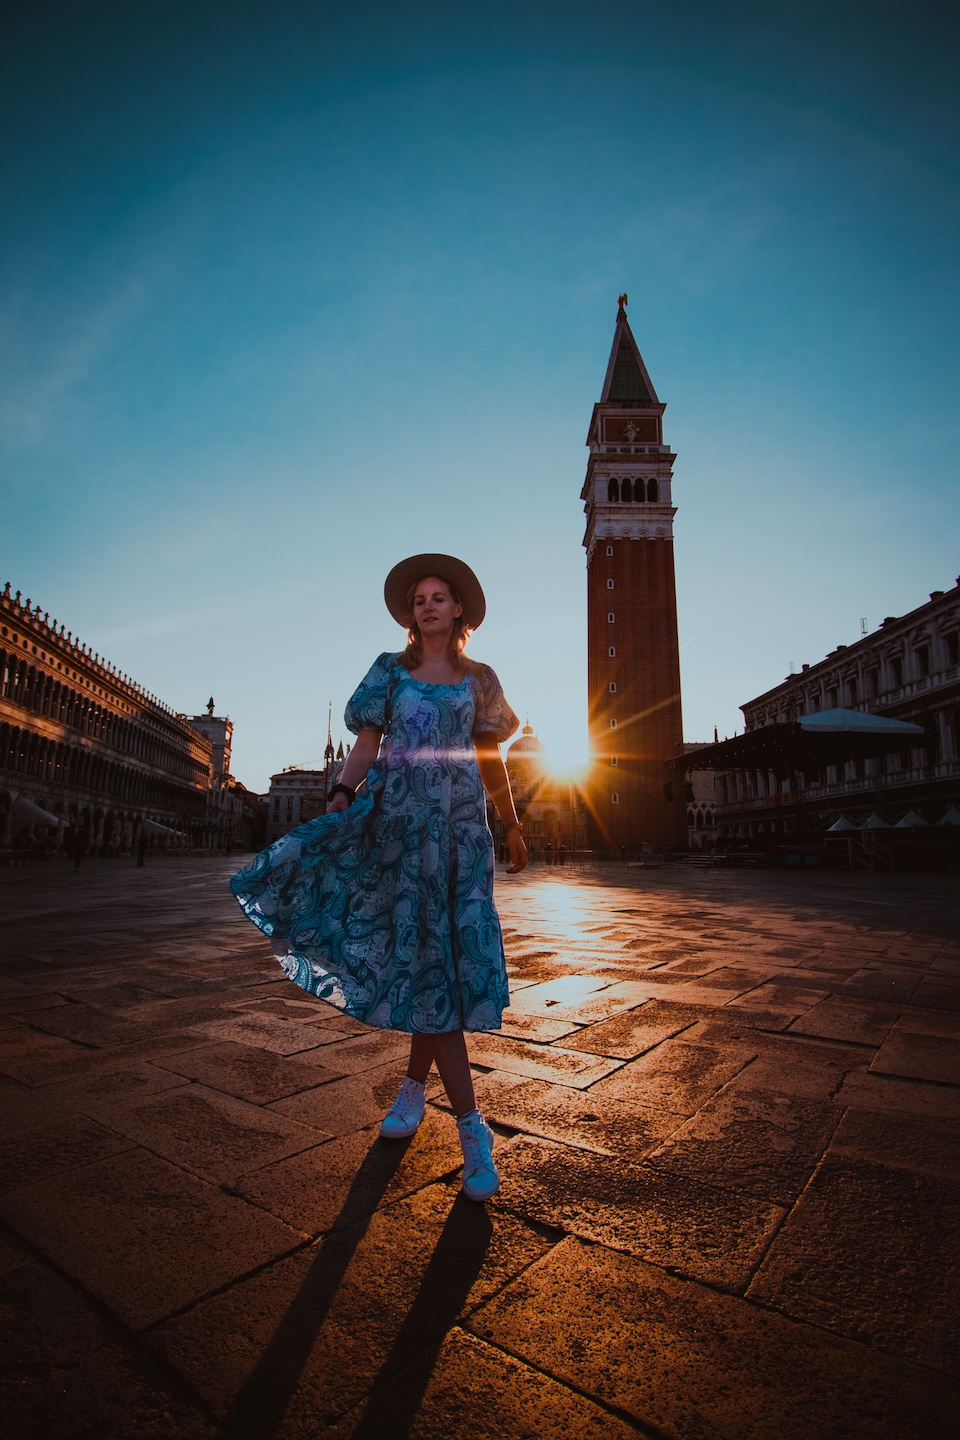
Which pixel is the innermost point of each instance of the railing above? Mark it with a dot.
(916, 775)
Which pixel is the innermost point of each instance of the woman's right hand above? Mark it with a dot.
(337, 805)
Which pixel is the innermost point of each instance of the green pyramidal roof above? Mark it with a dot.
(627, 382)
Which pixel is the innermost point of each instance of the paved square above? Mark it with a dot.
(728, 1110)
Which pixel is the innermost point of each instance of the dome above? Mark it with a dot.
(528, 744)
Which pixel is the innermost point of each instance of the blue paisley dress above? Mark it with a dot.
(386, 910)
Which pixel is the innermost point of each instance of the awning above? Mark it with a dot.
(841, 826)
(808, 743)
(910, 821)
(25, 812)
(153, 827)
(856, 722)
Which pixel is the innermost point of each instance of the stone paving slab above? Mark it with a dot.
(919, 1057)
(269, 1032)
(517, 1026)
(679, 1076)
(539, 1062)
(833, 1262)
(890, 1095)
(37, 1154)
(686, 1226)
(249, 1072)
(210, 1134)
(930, 1147)
(465, 1386)
(65, 1374)
(930, 1022)
(837, 1018)
(349, 1104)
(142, 1236)
(758, 1144)
(698, 1365)
(624, 1037)
(579, 1118)
(353, 1175)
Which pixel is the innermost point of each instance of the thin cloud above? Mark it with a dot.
(30, 407)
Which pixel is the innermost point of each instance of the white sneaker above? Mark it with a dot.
(480, 1178)
(406, 1112)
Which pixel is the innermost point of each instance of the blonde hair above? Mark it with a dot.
(412, 657)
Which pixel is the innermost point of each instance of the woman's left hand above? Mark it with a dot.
(518, 852)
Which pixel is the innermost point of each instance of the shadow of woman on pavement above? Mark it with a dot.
(260, 1404)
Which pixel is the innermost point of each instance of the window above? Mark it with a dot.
(626, 492)
(953, 647)
(871, 684)
(614, 760)
(609, 549)
(833, 698)
(653, 490)
(613, 724)
(613, 687)
(852, 696)
(896, 672)
(613, 490)
(615, 798)
(610, 617)
(922, 657)
(612, 652)
(609, 584)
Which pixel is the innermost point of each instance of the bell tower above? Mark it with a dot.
(633, 656)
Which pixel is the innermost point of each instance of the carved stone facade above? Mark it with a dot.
(87, 756)
(700, 794)
(633, 656)
(551, 811)
(908, 669)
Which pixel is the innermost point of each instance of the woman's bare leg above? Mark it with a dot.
(421, 1057)
(450, 1053)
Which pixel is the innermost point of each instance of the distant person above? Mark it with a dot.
(142, 845)
(384, 906)
(76, 845)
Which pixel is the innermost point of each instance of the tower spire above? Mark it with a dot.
(328, 756)
(627, 380)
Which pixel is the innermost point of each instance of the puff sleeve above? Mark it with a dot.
(367, 706)
(494, 716)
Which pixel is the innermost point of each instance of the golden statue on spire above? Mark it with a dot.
(623, 301)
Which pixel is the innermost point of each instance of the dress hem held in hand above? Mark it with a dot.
(386, 909)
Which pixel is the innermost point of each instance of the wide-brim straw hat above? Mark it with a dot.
(447, 567)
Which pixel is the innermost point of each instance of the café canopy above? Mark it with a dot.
(829, 737)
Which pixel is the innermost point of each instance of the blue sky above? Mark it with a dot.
(287, 294)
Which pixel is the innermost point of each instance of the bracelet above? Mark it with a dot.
(515, 826)
(341, 789)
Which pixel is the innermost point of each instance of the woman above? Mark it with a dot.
(384, 906)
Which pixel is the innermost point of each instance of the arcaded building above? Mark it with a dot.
(907, 670)
(633, 656)
(86, 751)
